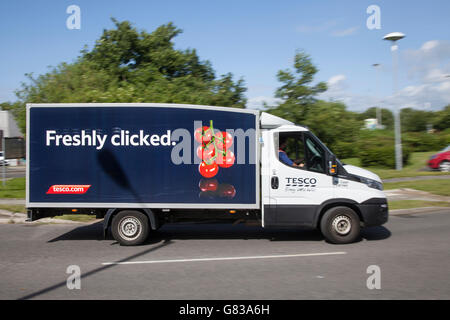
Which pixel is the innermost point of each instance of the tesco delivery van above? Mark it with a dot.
(140, 165)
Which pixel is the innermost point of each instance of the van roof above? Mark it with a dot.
(269, 121)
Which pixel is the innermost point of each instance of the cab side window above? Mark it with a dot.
(299, 150)
(315, 155)
(291, 150)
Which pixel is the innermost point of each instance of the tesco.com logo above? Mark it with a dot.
(68, 189)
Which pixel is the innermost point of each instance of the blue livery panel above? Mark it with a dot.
(120, 154)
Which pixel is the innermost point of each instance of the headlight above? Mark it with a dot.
(433, 156)
(372, 183)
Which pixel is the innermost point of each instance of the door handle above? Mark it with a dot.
(274, 182)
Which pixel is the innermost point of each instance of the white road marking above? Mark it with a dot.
(229, 258)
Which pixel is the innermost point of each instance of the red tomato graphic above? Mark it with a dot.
(206, 152)
(203, 134)
(225, 160)
(223, 140)
(208, 170)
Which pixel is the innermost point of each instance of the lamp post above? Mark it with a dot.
(378, 109)
(394, 37)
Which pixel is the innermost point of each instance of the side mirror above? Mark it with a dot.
(332, 166)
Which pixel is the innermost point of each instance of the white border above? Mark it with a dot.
(255, 205)
(158, 105)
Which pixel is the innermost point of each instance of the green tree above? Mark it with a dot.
(441, 119)
(127, 65)
(296, 91)
(330, 121)
(415, 120)
(335, 126)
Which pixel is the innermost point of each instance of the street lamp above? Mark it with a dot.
(394, 37)
(378, 109)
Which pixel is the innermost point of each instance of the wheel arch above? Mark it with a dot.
(352, 204)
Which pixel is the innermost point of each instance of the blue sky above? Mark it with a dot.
(253, 40)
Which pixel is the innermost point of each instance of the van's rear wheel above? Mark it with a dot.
(340, 225)
(130, 227)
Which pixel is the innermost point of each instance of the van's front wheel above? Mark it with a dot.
(130, 227)
(340, 225)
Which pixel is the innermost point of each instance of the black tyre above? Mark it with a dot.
(340, 225)
(130, 228)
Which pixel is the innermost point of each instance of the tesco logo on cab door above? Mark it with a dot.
(68, 189)
(301, 182)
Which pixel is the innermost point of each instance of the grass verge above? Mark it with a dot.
(77, 217)
(410, 204)
(73, 217)
(439, 187)
(13, 208)
(14, 188)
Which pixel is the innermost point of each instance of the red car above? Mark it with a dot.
(441, 160)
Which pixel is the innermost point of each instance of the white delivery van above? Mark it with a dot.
(141, 165)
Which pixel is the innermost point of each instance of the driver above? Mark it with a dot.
(284, 157)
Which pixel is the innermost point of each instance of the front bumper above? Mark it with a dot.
(375, 212)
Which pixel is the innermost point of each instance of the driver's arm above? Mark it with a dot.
(285, 159)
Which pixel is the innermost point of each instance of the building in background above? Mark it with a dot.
(8, 129)
(372, 124)
(8, 125)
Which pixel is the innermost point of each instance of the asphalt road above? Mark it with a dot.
(234, 262)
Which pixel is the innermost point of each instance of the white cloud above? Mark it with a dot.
(430, 63)
(336, 80)
(337, 88)
(345, 32)
(258, 102)
(326, 26)
(444, 87)
(429, 45)
(430, 96)
(429, 87)
(317, 27)
(436, 95)
(435, 75)
(428, 68)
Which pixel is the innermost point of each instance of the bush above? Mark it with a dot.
(344, 150)
(378, 150)
(422, 141)
(445, 136)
